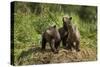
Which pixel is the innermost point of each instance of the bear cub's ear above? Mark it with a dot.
(70, 18)
(54, 26)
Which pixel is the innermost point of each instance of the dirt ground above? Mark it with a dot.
(63, 56)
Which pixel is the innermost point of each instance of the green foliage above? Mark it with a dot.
(88, 14)
(31, 19)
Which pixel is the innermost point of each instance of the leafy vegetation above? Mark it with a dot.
(31, 19)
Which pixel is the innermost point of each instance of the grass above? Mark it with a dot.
(27, 40)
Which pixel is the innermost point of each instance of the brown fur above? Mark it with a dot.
(69, 34)
(73, 36)
(64, 33)
(52, 36)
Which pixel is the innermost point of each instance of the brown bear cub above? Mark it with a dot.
(69, 34)
(64, 33)
(73, 35)
(52, 36)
